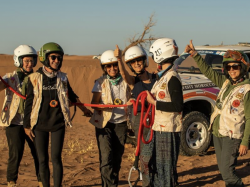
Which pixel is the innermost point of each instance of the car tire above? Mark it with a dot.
(195, 137)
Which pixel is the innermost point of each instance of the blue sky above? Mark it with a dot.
(84, 27)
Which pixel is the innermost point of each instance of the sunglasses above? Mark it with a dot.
(235, 67)
(54, 57)
(140, 59)
(110, 65)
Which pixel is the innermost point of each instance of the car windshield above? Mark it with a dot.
(186, 64)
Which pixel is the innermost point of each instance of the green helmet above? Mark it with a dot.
(244, 63)
(48, 48)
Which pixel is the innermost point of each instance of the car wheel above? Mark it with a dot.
(195, 137)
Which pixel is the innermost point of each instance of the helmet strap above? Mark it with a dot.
(26, 72)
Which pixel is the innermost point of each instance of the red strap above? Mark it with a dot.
(8, 86)
(84, 104)
(143, 121)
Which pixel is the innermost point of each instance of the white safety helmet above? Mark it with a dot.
(163, 49)
(136, 52)
(22, 51)
(108, 58)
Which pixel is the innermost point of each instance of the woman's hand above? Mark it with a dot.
(190, 48)
(150, 99)
(87, 112)
(117, 53)
(243, 150)
(129, 102)
(29, 133)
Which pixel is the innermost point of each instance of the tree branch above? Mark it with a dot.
(141, 40)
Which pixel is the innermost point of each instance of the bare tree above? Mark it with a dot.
(141, 39)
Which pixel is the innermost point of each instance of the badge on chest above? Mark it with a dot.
(161, 94)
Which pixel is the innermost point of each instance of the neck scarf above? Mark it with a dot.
(23, 77)
(114, 81)
(48, 74)
(161, 73)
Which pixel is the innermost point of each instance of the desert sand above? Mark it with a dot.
(80, 153)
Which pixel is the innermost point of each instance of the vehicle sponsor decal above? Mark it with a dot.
(214, 52)
(212, 90)
(198, 86)
(195, 94)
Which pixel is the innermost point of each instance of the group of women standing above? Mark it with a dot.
(158, 158)
(45, 112)
(230, 122)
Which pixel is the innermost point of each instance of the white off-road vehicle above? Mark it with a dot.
(199, 95)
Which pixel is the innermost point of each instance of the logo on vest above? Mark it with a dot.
(12, 79)
(163, 86)
(161, 94)
(240, 95)
(241, 90)
(233, 110)
(236, 103)
(6, 108)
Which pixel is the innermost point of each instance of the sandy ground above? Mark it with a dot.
(80, 153)
(81, 163)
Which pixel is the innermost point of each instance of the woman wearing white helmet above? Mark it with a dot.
(137, 60)
(159, 157)
(110, 123)
(25, 58)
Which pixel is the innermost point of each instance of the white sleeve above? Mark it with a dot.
(5, 78)
(97, 87)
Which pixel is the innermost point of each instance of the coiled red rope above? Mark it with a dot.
(149, 115)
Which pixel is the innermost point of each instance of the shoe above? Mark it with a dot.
(12, 184)
(40, 184)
